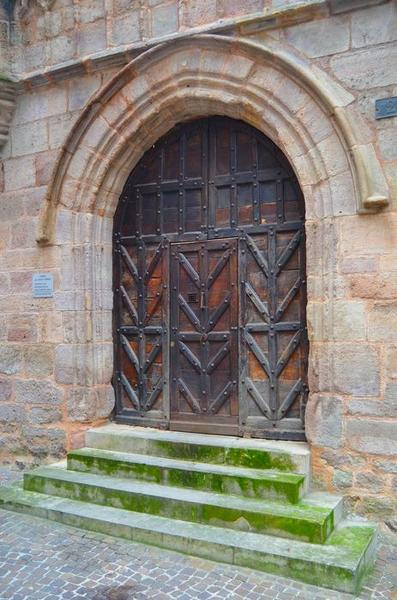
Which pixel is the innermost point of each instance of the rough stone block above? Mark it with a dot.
(356, 370)
(92, 38)
(90, 10)
(5, 390)
(22, 328)
(375, 25)
(387, 141)
(120, 6)
(44, 164)
(58, 129)
(380, 319)
(375, 286)
(333, 155)
(41, 415)
(238, 7)
(29, 138)
(11, 207)
(41, 103)
(369, 68)
(342, 458)
(79, 93)
(390, 400)
(35, 58)
(314, 119)
(378, 507)
(11, 414)
(4, 284)
(389, 466)
(50, 328)
(23, 234)
(39, 360)
(10, 359)
(164, 19)
(324, 421)
(372, 436)
(84, 364)
(85, 405)
(391, 362)
(42, 442)
(349, 320)
(62, 48)
(37, 392)
(321, 37)
(77, 327)
(369, 481)
(360, 264)
(50, 24)
(342, 479)
(19, 173)
(378, 231)
(342, 195)
(362, 406)
(21, 281)
(198, 12)
(126, 29)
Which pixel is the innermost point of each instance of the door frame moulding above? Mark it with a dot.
(97, 137)
(309, 116)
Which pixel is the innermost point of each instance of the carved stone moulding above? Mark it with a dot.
(7, 106)
(22, 6)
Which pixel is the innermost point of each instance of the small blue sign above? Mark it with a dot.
(386, 107)
(42, 285)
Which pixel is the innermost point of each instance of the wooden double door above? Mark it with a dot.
(209, 286)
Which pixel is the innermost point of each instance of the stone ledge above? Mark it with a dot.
(270, 18)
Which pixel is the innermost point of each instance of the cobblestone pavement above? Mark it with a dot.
(42, 560)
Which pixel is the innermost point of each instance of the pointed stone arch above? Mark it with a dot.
(309, 116)
(296, 104)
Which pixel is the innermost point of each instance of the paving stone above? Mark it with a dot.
(48, 561)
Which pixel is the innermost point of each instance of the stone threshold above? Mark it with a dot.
(269, 18)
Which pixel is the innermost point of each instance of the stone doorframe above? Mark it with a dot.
(306, 113)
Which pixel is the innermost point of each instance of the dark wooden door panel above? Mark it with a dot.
(274, 343)
(226, 195)
(141, 313)
(204, 319)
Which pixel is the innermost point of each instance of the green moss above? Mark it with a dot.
(243, 457)
(197, 452)
(312, 524)
(285, 486)
(258, 459)
(339, 578)
(354, 538)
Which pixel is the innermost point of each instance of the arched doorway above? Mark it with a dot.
(209, 281)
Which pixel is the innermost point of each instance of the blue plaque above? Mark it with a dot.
(43, 285)
(386, 107)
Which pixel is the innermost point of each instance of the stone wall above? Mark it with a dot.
(56, 354)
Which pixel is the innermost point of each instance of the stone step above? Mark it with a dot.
(340, 564)
(308, 521)
(253, 483)
(215, 449)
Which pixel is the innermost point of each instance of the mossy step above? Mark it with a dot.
(305, 521)
(341, 564)
(218, 449)
(254, 483)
